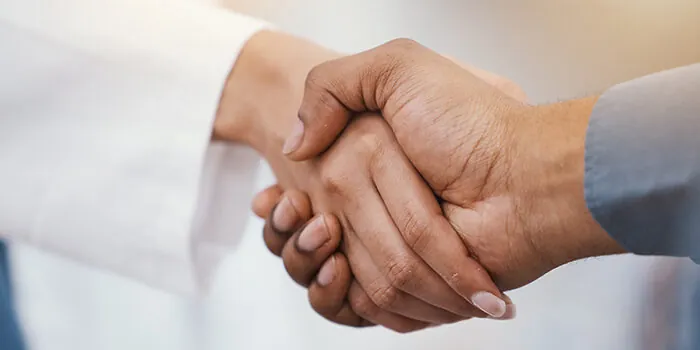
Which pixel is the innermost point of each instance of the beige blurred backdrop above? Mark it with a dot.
(554, 48)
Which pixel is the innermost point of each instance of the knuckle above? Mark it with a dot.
(385, 297)
(416, 232)
(321, 106)
(333, 178)
(396, 65)
(368, 143)
(400, 273)
(315, 77)
(362, 305)
(370, 140)
(319, 100)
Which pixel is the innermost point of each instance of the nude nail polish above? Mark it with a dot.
(314, 235)
(285, 216)
(294, 140)
(490, 304)
(327, 273)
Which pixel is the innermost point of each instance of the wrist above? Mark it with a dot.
(264, 89)
(238, 116)
(568, 231)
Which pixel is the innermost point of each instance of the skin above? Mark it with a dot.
(509, 175)
(383, 196)
(329, 298)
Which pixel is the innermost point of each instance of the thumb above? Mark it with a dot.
(337, 90)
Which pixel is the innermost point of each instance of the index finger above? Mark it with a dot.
(427, 232)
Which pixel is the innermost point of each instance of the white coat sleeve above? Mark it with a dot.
(106, 108)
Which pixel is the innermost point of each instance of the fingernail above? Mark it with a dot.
(313, 236)
(285, 216)
(294, 140)
(327, 273)
(489, 304)
(511, 312)
(509, 315)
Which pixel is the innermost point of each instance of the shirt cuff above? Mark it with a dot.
(642, 172)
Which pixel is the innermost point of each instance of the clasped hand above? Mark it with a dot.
(423, 217)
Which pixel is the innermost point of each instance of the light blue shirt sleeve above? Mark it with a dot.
(642, 173)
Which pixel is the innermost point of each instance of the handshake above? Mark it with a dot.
(413, 191)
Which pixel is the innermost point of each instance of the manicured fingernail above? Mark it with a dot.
(510, 312)
(489, 304)
(509, 315)
(285, 216)
(313, 236)
(294, 140)
(327, 273)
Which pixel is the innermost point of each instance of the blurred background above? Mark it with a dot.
(555, 49)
